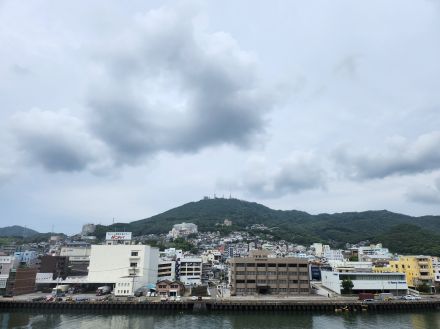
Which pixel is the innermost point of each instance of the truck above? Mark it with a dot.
(104, 290)
(60, 290)
(385, 296)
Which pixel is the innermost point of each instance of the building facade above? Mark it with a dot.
(189, 270)
(167, 288)
(182, 230)
(259, 274)
(418, 269)
(394, 283)
(126, 267)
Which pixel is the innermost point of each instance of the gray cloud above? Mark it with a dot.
(401, 157)
(57, 141)
(299, 173)
(163, 84)
(425, 194)
(170, 87)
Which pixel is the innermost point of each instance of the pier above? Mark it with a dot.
(226, 305)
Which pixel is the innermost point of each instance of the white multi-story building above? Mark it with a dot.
(318, 249)
(333, 255)
(372, 252)
(127, 267)
(211, 256)
(436, 269)
(7, 263)
(190, 270)
(183, 229)
(394, 283)
(171, 253)
(166, 270)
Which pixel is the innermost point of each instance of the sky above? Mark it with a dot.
(119, 111)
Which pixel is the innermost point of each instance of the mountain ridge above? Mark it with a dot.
(291, 225)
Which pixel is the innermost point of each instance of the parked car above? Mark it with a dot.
(142, 291)
(8, 295)
(411, 297)
(369, 300)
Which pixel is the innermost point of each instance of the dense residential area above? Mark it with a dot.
(223, 264)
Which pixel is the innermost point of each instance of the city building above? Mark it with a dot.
(418, 269)
(260, 274)
(227, 222)
(182, 230)
(126, 267)
(20, 281)
(436, 271)
(78, 258)
(57, 265)
(189, 270)
(7, 263)
(88, 229)
(167, 288)
(166, 270)
(28, 257)
(394, 283)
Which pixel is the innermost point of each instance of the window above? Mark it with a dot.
(134, 253)
(133, 264)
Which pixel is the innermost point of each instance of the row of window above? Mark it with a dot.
(269, 265)
(122, 291)
(273, 281)
(254, 290)
(269, 273)
(122, 284)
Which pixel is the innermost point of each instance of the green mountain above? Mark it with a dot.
(17, 231)
(292, 225)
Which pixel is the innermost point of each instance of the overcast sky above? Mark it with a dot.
(111, 109)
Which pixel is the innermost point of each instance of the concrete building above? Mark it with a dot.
(166, 270)
(394, 283)
(167, 288)
(373, 252)
(78, 259)
(88, 229)
(126, 267)
(28, 257)
(182, 230)
(20, 281)
(260, 274)
(333, 255)
(189, 270)
(318, 249)
(7, 263)
(436, 271)
(418, 269)
(57, 265)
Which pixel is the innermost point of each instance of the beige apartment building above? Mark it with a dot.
(261, 274)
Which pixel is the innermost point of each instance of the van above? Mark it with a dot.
(104, 290)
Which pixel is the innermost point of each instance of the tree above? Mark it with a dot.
(347, 286)
(424, 287)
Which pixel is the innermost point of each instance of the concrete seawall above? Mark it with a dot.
(236, 306)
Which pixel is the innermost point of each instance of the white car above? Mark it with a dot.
(411, 297)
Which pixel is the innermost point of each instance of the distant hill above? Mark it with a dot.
(297, 226)
(18, 231)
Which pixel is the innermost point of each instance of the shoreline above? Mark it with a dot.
(227, 305)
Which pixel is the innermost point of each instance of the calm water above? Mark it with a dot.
(219, 320)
